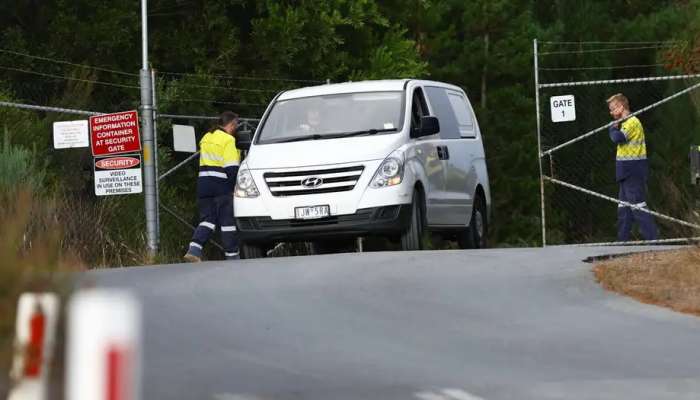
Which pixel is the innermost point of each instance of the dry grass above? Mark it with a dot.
(669, 279)
(90, 229)
(31, 259)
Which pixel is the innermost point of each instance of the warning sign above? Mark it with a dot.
(118, 175)
(115, 133)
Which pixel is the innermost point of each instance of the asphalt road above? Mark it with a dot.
(451, 325)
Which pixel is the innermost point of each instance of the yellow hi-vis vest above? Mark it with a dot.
(219, 160)
(635, 147)
(218, 150)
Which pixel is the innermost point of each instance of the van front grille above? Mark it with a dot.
(296, 183)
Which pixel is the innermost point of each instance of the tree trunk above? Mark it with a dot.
(484, 70)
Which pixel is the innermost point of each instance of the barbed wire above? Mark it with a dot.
(186, 100)
(226, 88)
(612, 43)
(231, 77)
(624, 80)
(68, 77)
(600, 68)
(582, 51)
(114, 71)
(57, 61)
(35, 107)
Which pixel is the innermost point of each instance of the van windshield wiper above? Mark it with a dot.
(360, 133)
(317, 136)
(314, 136)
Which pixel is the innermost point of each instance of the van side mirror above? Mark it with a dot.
(244, 140)
(428, 126)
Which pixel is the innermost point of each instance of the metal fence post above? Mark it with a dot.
(149, 175)
(155, 153)
(539, 142)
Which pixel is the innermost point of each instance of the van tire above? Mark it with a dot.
(250, 251)
(475, 236)
(412, 237)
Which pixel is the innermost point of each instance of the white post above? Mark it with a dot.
(37, 317)
(103, 359)
(539, 141)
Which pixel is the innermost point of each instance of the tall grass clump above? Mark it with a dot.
(31, 255)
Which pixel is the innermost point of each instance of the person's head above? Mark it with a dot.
(228, 121)
(618, 105)
(313, 117)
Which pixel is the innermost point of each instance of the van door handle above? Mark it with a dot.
(443, 153)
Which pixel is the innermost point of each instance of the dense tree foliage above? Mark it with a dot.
(217, 54)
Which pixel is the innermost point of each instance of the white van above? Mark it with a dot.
(393, 158)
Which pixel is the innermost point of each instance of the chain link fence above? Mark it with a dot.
(94, 229)
(577, 158)
(36, 91)
(31, 126)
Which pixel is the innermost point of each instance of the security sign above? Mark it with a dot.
(118, 175)
(115, 133)
(563, 108)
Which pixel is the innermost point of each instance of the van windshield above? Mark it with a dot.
(333, 116)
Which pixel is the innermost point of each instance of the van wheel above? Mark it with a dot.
(250, 251)
(476, 234)
(411, 238)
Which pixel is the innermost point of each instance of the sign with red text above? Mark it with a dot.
(115, 133)
(118, 175)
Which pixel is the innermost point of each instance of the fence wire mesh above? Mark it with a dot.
(36, 91)
(578, 157)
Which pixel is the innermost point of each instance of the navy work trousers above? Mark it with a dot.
(633, 190)
(213, 212)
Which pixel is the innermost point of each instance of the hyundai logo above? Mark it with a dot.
(312, 182)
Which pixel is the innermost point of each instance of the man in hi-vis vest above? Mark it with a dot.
(219, 160)
(631, 170)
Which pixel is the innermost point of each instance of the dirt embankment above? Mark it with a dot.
(669, 279)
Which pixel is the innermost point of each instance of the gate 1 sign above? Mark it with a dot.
(563, 108)
(118, 175)
(115, 133)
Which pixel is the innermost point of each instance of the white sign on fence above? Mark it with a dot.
(184, 139)
(563, 108)
(118, 175)
(69, 134)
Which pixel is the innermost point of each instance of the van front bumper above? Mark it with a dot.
(385, 220)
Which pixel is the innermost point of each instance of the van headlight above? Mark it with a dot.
(245, 185)
(390, 172)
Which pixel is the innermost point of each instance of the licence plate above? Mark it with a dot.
(312, 212)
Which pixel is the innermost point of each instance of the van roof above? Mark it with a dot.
(353, 87)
